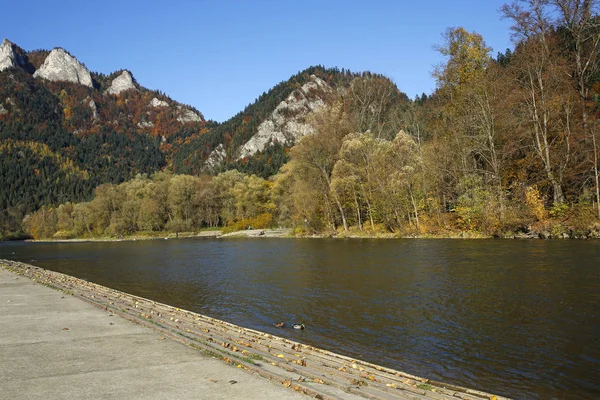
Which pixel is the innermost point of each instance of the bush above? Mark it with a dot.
(261, 221)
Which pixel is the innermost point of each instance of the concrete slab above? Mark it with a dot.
(54, 346)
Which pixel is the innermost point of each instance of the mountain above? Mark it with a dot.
(256, 139)
(64, 129)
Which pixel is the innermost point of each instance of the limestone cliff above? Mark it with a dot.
(187, 115)
(94, 109)
(8, 57)
(121, 83)
(287, 123)
(61, 66)
(216, 157)
(158, 103)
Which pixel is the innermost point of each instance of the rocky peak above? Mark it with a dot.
(287, 122)
(8, 57)
(121, 83)
(61, 66)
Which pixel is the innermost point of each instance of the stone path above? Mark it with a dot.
(55, 346)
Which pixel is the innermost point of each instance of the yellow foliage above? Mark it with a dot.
(261, 221)
(534, 203)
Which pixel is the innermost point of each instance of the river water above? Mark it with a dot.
(513, 317)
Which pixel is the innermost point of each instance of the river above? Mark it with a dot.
(519, 318)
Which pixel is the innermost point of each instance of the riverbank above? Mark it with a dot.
(295, 366)
(55, 346)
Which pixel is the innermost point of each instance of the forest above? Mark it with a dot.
(506, 146)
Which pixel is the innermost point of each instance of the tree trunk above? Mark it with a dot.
(357, 211)
(596, 177)
(415, 209)
(369, 210)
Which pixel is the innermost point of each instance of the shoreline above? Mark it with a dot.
(300, 367)
(287, 233)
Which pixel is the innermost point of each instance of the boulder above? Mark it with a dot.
(158, 103)
(145, 124)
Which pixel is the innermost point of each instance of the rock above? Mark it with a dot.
(287, 122)
(9, 57)
(121, 83)
(188, 115)
(158, 103)
(3, 110)
(216, 157)
(145, 124)
(92, 105)
(61, 66)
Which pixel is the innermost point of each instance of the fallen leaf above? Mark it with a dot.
(280, 356)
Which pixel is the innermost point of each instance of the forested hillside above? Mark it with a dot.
(190, 152)
(59, 140)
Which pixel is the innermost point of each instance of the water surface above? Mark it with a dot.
(516, 318)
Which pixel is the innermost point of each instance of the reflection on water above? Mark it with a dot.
(518, 318)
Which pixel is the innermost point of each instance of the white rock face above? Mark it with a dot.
(286, 124)
(8, 57)
(158, 103)
(145, 124)
(188, 116)
(60, 66)
(92, 105)
(121, 83)
(216, 157)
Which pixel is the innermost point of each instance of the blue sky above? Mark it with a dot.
(218, 56)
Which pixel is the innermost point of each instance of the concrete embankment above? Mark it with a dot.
(55, 346)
